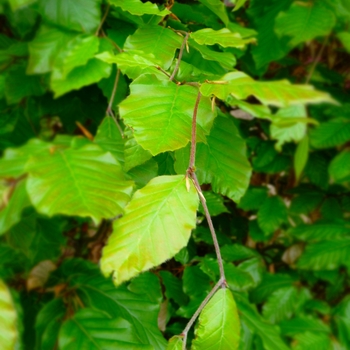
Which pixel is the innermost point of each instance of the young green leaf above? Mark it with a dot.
(277, 93)
(156, 225)
(223, 37)
(339, 168)
(170, 107)
(301, 156)
(218, 324)
(8, 319)
(175, 343)
(136, 7)
(155, 40)
(83, 170)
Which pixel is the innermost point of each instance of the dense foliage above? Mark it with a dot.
(122, 122)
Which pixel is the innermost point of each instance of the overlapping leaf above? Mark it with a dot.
(8, 319)
(228, 173)
(339, 168)
(325, 255)
(218, 325)
(93, 329)
(175, 343)
(156, 40)
(170, 107)
(223, 37)
(138, 8)
(156, 225)
(277, 93)
(83, 182)
(109, 138)
(79, 15)
(305, 21)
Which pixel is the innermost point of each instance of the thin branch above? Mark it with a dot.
(317, 59)
(180, 57)
(193, 134)
(199, 310)
(211, 227)
(103, 20)
(109, 110)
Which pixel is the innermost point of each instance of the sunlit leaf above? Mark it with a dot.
(8, 319)
(170, 107)
(217, 7)
(136, 7)
(81, 193)
(278, 93)
(223, 37)
(239, 4)
(301, 156)
(339, 168)
(156, 40)
(157, 221)
(175, 343)
(219, 314)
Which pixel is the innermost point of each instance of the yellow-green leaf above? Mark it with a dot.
(157, 224)
(218, 325)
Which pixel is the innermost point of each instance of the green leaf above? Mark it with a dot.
(157, 222)
(217, 7)
(226, 59)
(215, 204)
(81, 192)
(339, 168)
(272, 214)
(8, 319)
(79, 15)
(47, 324)
(239, 4)
(19, 85)
(223, 37)
(92, 72)
(219, 314)
(173, 287)
(76, 53)
(325, 255)
(134, 154)
(312, 341)
(228, 173)
(134, 306)
(277, 93)
(17, 4)
(137, 8)
(259, 111)
(284, 132)
(11, 214)
(263, 15)
(268, 333)
(234, 252)
(156, 40)
(144, 173)
(237, 279)
(175, 343)
(109, 138)
(170, 107)
(331, 134)
(132, 63)
(301, 324)
(95, 330)
(344, 38)
(301, 156)
(43, 50)
(281, 304)
(319, 231)
(253, 198)
(269, 284)
(305, 21)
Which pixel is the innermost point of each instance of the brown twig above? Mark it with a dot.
(193, 134)
(103, 20)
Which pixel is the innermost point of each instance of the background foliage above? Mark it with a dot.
(94, 151)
